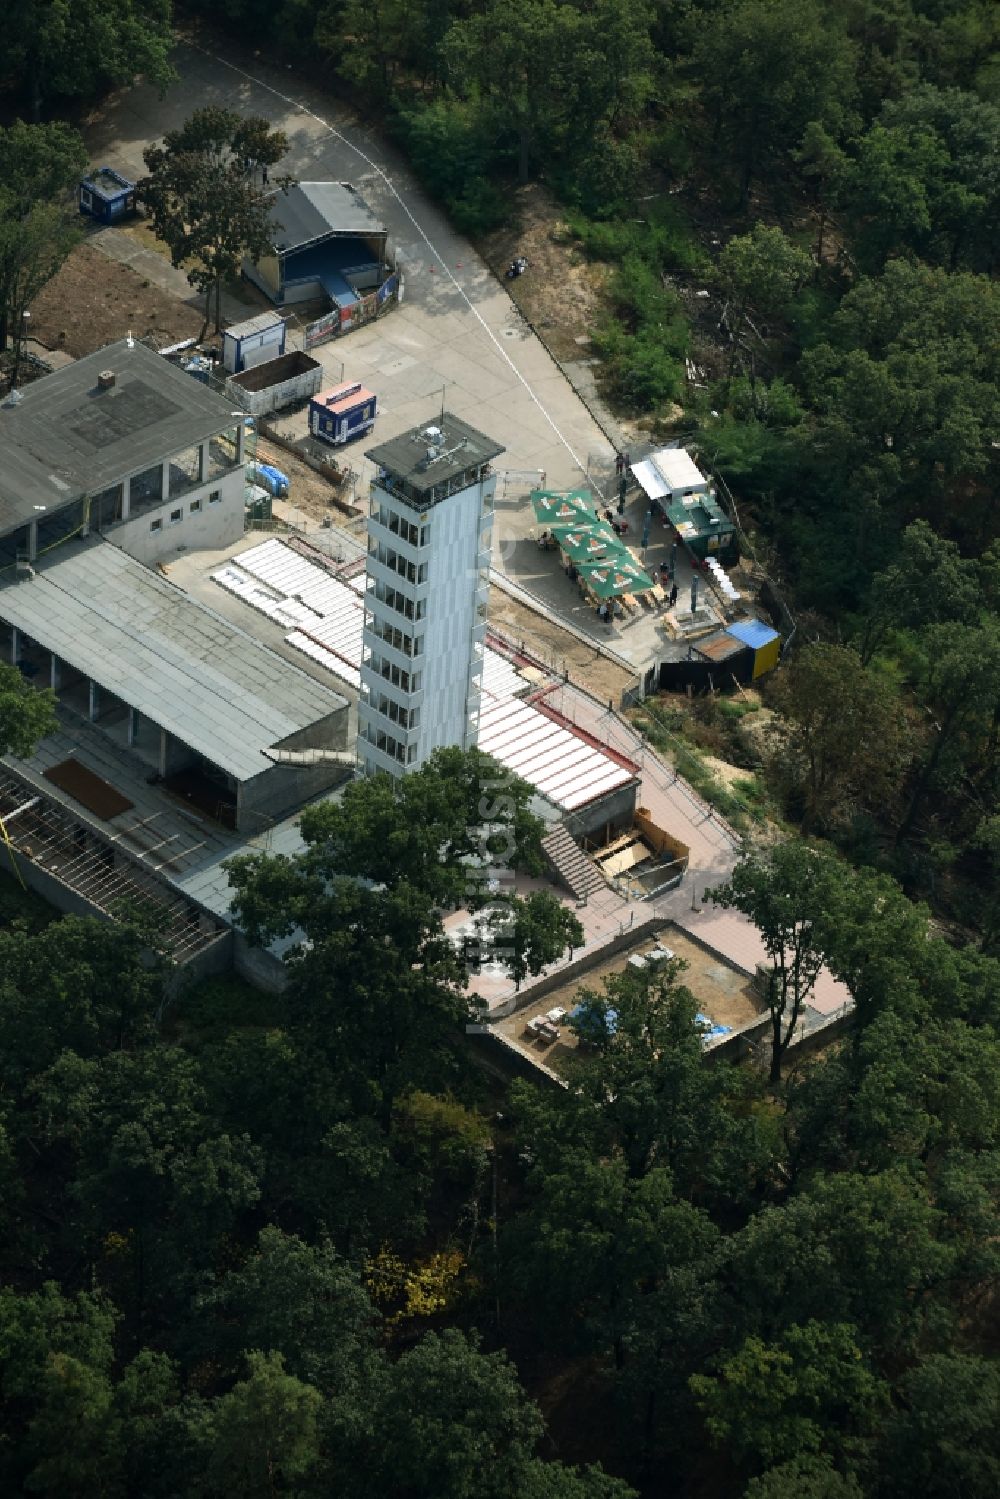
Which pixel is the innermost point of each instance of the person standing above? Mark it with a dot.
(673, 595)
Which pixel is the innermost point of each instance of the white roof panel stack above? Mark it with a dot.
(328, 616)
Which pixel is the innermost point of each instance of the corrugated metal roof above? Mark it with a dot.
(182, 666)
(258, 324)
(753, 632)
(310, 211)
(720, 647)
(328, 616)
(559, 764)
(667, 471)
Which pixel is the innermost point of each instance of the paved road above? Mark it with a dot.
(457, 336)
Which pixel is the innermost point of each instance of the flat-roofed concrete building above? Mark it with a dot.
(121, 443)
(218, 718)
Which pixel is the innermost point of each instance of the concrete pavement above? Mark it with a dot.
(457, 339)
(457, 336)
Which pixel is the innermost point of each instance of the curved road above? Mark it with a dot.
(457, 336)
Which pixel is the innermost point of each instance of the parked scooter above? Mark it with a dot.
(517, 268)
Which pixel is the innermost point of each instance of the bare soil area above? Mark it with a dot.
(560, 293)
(725, 996)
(95, 300)
(558, 648)
(308, 491)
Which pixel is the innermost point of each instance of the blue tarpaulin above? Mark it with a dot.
(271, 479)
(592, 1022)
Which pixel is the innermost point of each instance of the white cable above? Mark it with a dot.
(304, 109)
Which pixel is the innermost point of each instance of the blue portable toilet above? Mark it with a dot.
(106, 195)
(342, 413)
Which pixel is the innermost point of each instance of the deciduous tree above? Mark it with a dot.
(203, 198)
(27, 714)
(772, 1402)
(783, 894)
(74, 48)
(846, 739)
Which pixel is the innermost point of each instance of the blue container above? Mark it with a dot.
(106, 195)
(271, 479)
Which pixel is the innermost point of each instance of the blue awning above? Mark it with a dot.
(753, 632)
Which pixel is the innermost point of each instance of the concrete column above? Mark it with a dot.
(55, 671)
(163, 751)
(32, 540)
(15, 644)
(133, 725)
(94, 704)
(165, 482)
(125, 500)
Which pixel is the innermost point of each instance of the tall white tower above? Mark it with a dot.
(430, 524)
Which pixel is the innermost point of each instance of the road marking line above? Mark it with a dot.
(304, 109)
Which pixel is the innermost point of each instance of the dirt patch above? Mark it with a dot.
(557, 648)
(308, 491)
(724, 995)
(95, 300)
(560, 293)
(728, 775)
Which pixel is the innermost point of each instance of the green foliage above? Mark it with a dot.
(77, 49)
(767, 70)
(265, 1432)
(40, 166)
(847, 740)
(487, 1443)
(943, 1439)
(204, 205)
(772, 1403)
(762, 270)
(923, 181)
(783, 894)
(20, 904)
(454, 149)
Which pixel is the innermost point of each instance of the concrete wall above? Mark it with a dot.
(326, 733)
(578, 969)
(53, 890)
(281, 790)
(258, 966)
(300, 291)
(175, 755)
(211, 528)
(214, 959)
(452, 577)
(613, 812)
(266, 274)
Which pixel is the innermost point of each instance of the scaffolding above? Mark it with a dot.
(100, 871)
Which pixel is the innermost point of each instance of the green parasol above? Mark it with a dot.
(613, 577)
(553, 507)
(587, 542)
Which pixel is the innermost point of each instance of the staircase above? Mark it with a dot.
(571, 866)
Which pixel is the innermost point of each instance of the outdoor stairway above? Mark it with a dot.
(571, 865)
